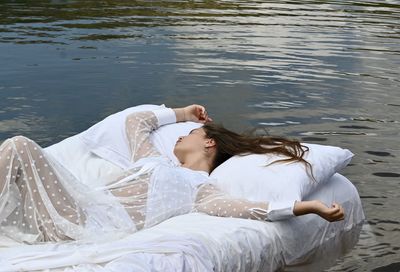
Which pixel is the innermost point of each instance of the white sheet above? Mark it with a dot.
(196, 242)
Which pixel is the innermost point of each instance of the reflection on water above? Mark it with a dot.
(324, 72)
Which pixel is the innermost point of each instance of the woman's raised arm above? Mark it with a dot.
(139, 126)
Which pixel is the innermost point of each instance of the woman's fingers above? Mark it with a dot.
(206, 118)
(336, 213)
(341, 217)
(201, 114)
(339, 208)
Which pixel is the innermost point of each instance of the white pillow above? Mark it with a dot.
(107, 138)
(280, 184)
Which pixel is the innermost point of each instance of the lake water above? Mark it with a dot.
(324, 72)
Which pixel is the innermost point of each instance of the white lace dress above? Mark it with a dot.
(42, 201)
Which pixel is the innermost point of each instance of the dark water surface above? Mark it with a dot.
(322, 71)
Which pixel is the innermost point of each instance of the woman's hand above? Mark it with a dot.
(331, 214)
(194, 113)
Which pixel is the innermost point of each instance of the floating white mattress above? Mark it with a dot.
(196, 242)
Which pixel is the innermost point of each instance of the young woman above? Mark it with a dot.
(42, 201)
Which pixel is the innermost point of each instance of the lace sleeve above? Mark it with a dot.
(213, 201)
(139, 126)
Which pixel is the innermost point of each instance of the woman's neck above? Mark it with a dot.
(197, 163)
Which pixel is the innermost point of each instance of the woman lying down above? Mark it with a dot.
(41, 201)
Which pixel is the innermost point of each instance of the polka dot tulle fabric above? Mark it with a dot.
(42, 201)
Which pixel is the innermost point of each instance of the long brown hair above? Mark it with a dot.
(230, 143)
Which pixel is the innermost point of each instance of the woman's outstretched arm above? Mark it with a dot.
(213, 201)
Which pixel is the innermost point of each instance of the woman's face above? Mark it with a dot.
(195, 141)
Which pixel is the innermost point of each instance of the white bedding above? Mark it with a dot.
(196, 242)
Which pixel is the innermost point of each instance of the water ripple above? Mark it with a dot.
(355, 133)
(279, 104)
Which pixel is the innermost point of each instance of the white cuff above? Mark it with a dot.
(165, 116)
(280, 210)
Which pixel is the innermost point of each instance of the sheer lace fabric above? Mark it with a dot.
(207, 199)
(32, 198)
(213, 201)
(41, 201)
(163, 189)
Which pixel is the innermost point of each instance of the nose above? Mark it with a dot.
(180, 138)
